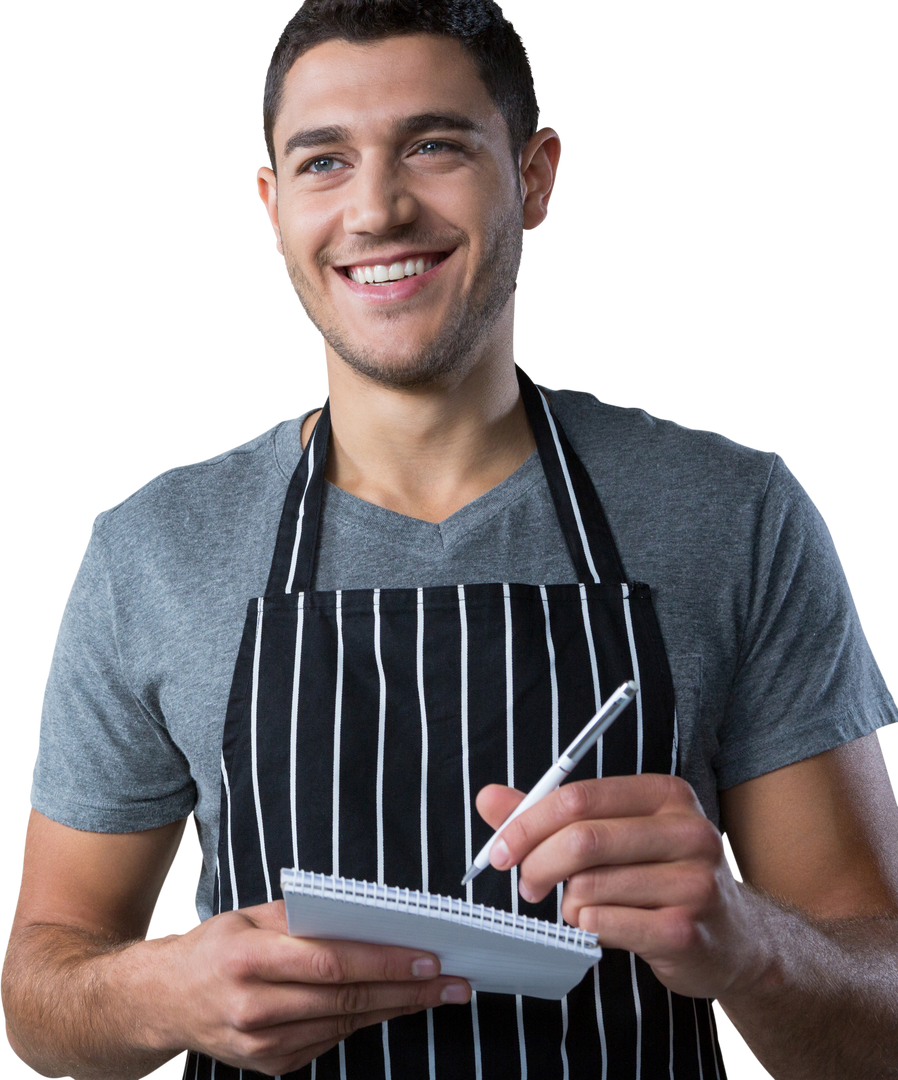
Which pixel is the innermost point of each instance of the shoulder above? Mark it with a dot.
(634, 437)
(656, 475)
(275, 451)
(205, 500)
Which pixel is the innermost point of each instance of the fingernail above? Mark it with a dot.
(526, 893)
(425, 968)
(499, 854)
(454, 994)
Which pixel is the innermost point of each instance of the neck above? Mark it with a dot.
(428, 451)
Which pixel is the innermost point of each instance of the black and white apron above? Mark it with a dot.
(361, 725)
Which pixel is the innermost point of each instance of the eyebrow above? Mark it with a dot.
(409, 125)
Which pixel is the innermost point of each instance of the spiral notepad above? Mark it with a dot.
(497, 952)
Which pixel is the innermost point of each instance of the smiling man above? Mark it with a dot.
(399, 209)
(445, 568)
(442, 234)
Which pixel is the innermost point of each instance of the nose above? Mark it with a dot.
(378, 200)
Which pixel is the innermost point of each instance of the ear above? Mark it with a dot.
(268, 193)
(539, 163)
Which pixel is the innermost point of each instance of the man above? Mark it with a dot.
(412, 157)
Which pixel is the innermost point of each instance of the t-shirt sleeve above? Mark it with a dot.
(106, 762)
(806, 680)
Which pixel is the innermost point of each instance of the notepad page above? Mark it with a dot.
(496, 951)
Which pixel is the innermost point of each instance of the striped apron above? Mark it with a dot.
(360, 726)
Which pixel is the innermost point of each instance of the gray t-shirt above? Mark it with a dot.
(769, 662)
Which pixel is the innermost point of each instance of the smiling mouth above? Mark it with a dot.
(384, 274)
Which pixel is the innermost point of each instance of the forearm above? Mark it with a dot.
(822, 1002)
(83, 1007)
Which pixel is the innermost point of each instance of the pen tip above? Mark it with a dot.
(471, 874)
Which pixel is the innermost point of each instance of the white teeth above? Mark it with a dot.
(381, 274)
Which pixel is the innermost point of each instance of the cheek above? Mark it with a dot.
(309, 232)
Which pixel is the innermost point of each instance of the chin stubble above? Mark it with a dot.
(466, 325)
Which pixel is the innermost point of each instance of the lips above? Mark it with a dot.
(398, 288)
(374, 273)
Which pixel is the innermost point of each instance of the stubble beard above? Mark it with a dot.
(456, 347)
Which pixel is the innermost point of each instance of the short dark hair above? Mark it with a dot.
(478, 25)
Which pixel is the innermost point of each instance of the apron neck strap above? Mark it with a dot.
(580, 514)
(297, 542)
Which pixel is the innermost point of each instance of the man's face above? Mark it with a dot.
(394, 163)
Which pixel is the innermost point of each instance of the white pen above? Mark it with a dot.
(588, 737)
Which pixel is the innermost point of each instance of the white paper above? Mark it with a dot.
(494, 950)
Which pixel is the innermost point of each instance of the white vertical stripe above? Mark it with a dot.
(553, 675)
(254, 719)
(635, 661)
(509, 744)
(338, 723)
(233, 874)
(422, 706)
(556, 752)
(676, 744)
(509, 725)
(565, 1067)
(637, 1008)
(465, 747)
(597, 697)
(594, 668)
(466, 791)
(713, 1040)
(522, 1044)
(698, 1042)
(425, 862)
(431, 1048)
(341, 1047)
(196, 1071)
(637, 1004)
(294, 720)
(381, 736)
(570, 490)
(218, 881)
(386, 1045)
(314, 1070)
(478, 1063)
(213, 1070)
(299, 517)
(670, 1028)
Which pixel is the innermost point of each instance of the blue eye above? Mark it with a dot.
(432, 146)
(324, 165)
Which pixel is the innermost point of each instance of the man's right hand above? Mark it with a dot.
(255, 998)
(85, 996)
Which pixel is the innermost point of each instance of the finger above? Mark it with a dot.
(647, 795)
(277, 958)
(631, 929)
(652, 885)
(495, 802)
(262, 1006)
(400, 964)
(664, 839)
(281, 1048)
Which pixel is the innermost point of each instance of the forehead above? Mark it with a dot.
(368, 87)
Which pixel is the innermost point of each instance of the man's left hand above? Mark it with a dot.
(644, 869)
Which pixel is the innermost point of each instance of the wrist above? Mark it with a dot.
(764, 969)
(145, 979)
(77, 1004)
